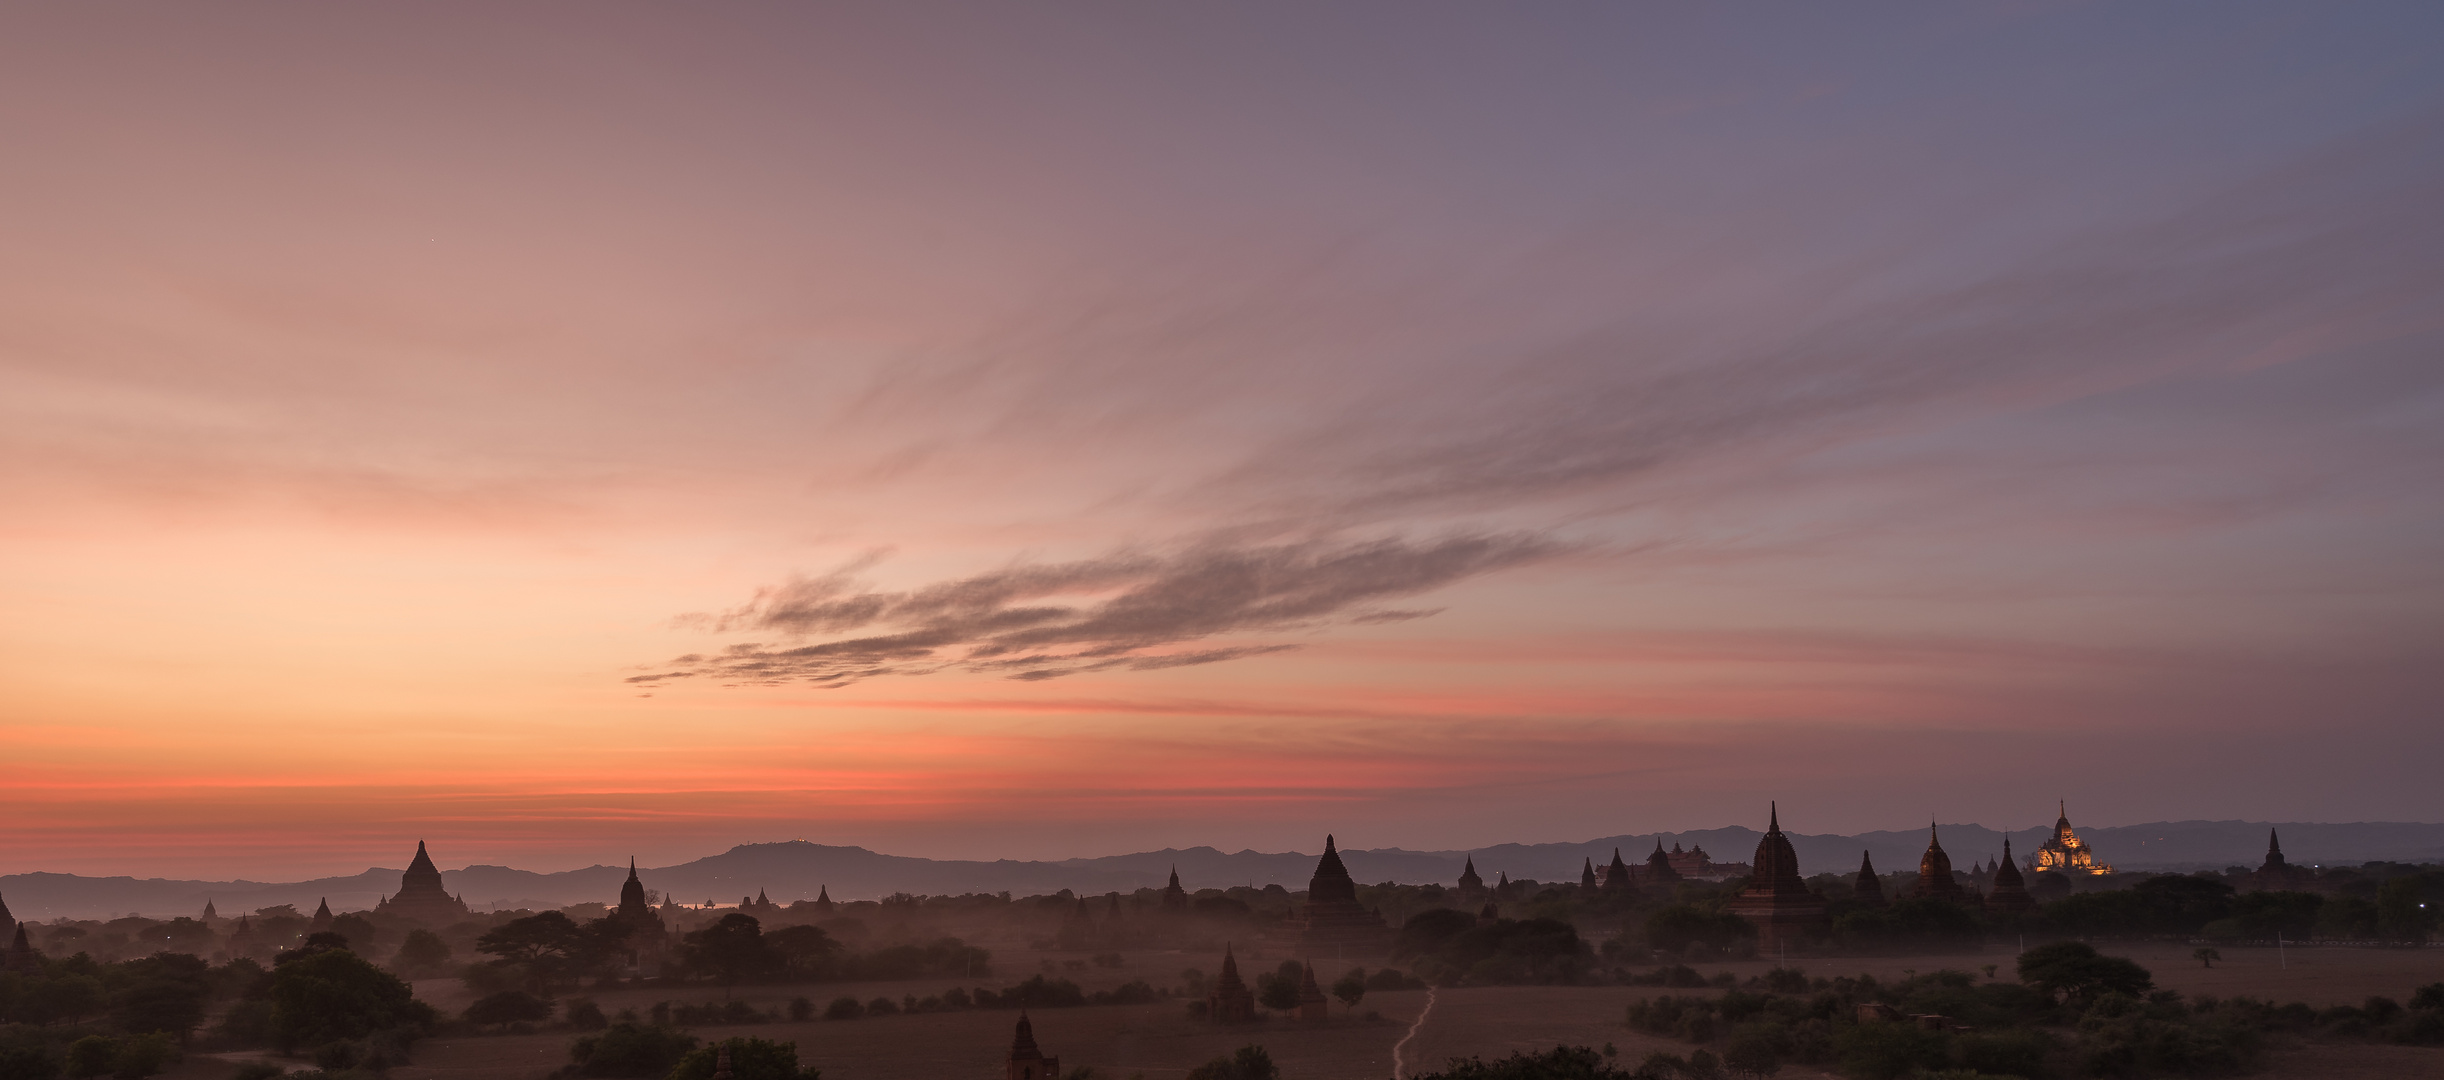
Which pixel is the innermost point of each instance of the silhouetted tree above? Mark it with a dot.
(2073, 971)
(731, 950)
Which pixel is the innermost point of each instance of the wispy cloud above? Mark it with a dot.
(1128, 610)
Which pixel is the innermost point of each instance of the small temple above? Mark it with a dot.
(1659, 866)
(1616, 875)
(1935, 880)
(1230, 1001)
(1027, 1061)
(1586, 878)
(643, 938)
(1332, 919)
(1776, 900)
(2065, 852)
(1310, 996)
(2274, 875)
(322, 918)
(1869, 887)
(2010, 893)
(1472, 887)
(421, 897)
(1174, 897)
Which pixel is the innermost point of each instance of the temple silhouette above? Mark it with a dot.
(1332, 922)
(421, 897)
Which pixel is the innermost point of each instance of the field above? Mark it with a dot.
(1159, 1041)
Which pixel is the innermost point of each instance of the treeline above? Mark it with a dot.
(543, 953)
(2071, 1012)
(81, 1017)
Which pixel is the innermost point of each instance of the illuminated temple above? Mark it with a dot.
(2066, 852)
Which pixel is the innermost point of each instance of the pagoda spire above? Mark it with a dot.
(1773, 816)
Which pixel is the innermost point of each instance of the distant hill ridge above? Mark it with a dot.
(794, 870)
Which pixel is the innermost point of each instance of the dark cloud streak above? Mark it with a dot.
(1120, 611)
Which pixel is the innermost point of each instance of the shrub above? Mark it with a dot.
(1246, 1063)
(1559, 1063)
(584, 1015)
(750, 1059)
(845, 1008)
(1886, 1050)
(801, 1009)
(2073, 971)
(511, 1007)
(630, 1049)
(882, 1006)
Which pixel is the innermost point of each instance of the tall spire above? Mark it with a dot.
(1773, 816)
(2274, 843)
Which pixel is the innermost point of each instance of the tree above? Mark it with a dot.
(1278, 989)
(2072, 971)
(1246, 1063)
(164, 992)
(510, 1007)
(806, 951)
(422, 953)
(1755, 1050)
(1351, 987)
(732, 950)
(628, 1048)
(750, 1059)
(324, 996)
(2205, 957)
(2401, 910)
(544, 948)
(1559, 1063)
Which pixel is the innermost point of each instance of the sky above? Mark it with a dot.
(562, 432)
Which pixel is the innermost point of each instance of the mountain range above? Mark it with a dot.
(797, 869)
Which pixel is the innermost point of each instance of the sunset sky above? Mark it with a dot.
(567, 431)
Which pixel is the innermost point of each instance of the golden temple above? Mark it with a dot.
(2066, 852)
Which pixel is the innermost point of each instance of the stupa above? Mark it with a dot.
(1331, 920)
(1310, 996)
(421, 897)
(322, 918)
(1616, 875)
(1659, 867)
(2010, 893)
(1776, 901)
(21, 955)
(1174, 897)
(1869, 887)
(1586, 877)
(2274, 875)
(1935, 881)
(2065, 852)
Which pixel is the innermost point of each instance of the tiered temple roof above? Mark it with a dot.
(421, 897)
(1776, 900)
(2065, 852)
(1586, 878)
(1174, 897)
(1616, 875)
(1332, 919)
(1471, 886)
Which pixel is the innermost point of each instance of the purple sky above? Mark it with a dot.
(573, 430)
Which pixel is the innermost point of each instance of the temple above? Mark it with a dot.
(643, 938)
(1310, 996)
(2010, 894)
(1616, 875)
(1586, 878)
(1691, 863)
(1174, 897)
(2066, 853)
(823, 898)
(1331, 919)
(1935, 880)
(1659, 866)
(1027, 1062)
(1472, 887)
(322, 918)
(1869, 887)
(21, 955)
(1230, 1001)
(1776, 901)
(421, 897)
(2274, 875)
(8, 922)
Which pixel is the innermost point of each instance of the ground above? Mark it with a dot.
(1160, 1042)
